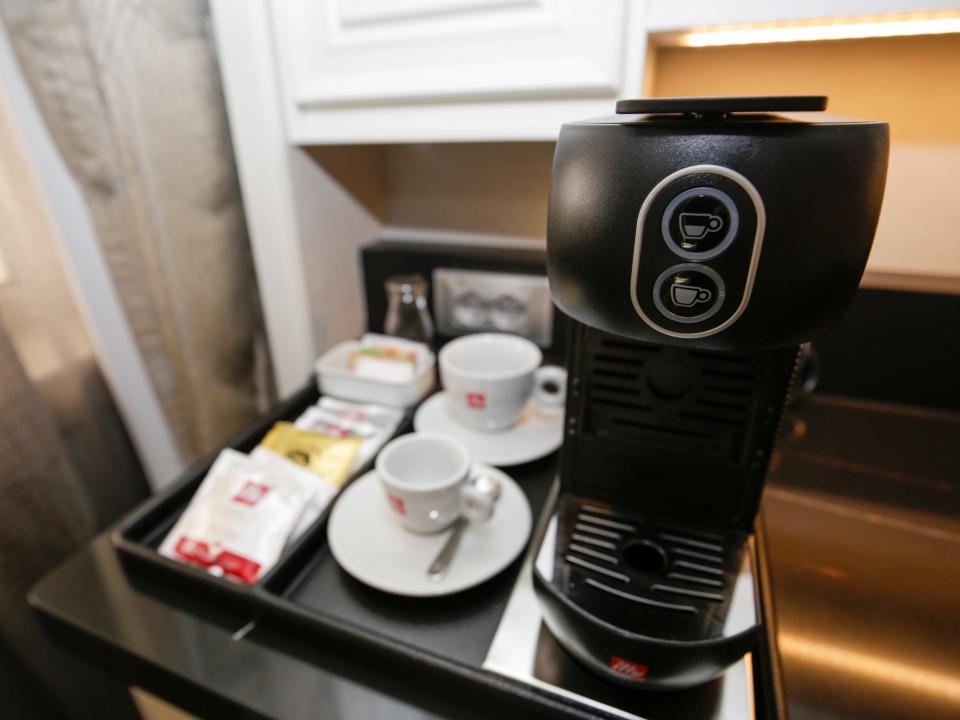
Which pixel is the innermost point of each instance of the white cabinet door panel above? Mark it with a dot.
(365, 56)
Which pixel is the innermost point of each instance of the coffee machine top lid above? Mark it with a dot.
(716, 223)
(723, 105)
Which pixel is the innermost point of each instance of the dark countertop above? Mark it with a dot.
(862, 523)
(211, 658)
(179, 651)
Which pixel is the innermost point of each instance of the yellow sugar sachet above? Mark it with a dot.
(329, 457)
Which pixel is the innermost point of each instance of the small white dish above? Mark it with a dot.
(368, 541)
(336, 379)
(536, 433)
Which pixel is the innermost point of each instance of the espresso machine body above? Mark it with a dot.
(695, 246)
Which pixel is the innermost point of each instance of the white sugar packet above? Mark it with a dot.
(374, 424)
(322, 490)
(383, 369)
(240, 518)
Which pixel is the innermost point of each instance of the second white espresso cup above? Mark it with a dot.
(426, 478)
(490, 377)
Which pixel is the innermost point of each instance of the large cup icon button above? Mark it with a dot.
(689, 292)
(700, 223)
(695, 226)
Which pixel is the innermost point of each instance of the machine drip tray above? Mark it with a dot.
(644, 575)
(525, 650)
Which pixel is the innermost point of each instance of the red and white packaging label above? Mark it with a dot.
(251, 493)
(199, 553)
(240, 517)
(476, 401)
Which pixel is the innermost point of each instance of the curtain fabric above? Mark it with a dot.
(130, 92)
(45, 515)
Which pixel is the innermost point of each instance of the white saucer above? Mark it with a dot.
(366, 538)
(536, 433)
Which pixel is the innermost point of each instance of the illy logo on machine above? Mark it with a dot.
(628, 668)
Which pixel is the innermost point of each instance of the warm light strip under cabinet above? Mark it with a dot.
(838, 29)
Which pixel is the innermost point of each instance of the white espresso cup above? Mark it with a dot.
(425, 478)
(490, 377)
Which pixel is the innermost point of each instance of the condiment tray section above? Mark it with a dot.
(138, 536)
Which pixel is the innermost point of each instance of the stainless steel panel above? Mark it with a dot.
(466, 301)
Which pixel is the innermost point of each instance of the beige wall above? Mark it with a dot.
(490, 188)
(913, 83)
(498, 188)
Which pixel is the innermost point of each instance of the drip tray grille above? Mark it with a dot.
(645, 575)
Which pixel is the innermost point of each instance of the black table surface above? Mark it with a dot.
(203, 662)
(835, 453)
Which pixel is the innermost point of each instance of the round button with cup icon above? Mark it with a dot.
(700, 223)
(689, 292)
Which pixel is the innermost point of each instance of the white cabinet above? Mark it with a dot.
(388, 71)
(380, 71)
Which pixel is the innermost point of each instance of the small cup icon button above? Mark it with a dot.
(700, 223)
(689, 293)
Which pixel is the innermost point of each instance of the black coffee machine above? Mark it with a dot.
(696, 243)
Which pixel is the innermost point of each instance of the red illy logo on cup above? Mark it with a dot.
(397, 504)
(477, 401)
(628, 668)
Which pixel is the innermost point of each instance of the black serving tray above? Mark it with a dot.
(438, 643)
(306, 592)
(457, 627)
(435, 644)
